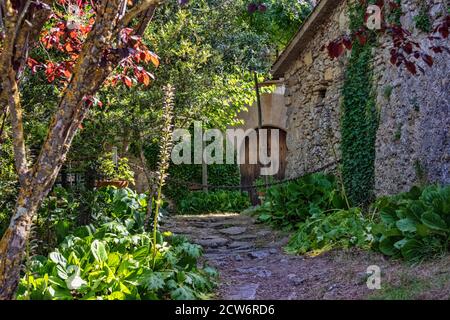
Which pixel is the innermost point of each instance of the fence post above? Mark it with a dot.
(204, 170)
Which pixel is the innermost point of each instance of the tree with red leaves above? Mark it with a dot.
(88, 43)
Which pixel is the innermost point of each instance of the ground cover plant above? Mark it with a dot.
(91, 93)
(112, 257)
(220, 201)
(290, 203)
(414, 225)
(326, 231)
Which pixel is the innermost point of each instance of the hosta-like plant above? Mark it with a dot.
(415, 225)
(339, 229)
(291, 203)
(113, 263)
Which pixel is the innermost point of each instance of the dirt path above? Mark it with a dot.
(252, 265)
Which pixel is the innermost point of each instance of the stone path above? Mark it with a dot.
(253, 266)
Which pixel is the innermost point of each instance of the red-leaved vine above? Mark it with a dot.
(405, 50)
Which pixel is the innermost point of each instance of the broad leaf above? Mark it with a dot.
(434, 221)
(98, 249)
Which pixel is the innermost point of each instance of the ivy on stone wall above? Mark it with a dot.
(359, 119)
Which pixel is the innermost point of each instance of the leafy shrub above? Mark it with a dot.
(176, 189)
(414, 225)
(113, 263)
(340, 229)
(8, 192)
(422, 20)
(112, 256)
(63, 211)
(262, 182)
(106, 168)
(288, 204)
(8, 183)
(210, 202)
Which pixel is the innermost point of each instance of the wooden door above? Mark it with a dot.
(251, 172)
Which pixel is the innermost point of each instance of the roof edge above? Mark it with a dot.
(305, 34)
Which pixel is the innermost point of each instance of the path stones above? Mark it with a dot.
(259, 254)
(236, 244)
(213, 242)
(226, 224)
(264, 233)
(238, 258)
(256, 271)
(232, 231)
(295, 280)
(240, 245)
(245, 292)
(244, 237)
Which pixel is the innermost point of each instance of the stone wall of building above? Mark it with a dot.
(312, 97)
(413, 139)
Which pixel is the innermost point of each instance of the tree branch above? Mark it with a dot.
(144, 21)
(88, 76)
(10, 91)
(2, 126)
(138, 9)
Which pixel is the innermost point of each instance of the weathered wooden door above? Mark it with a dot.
(251, 172)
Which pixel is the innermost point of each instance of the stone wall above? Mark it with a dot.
(312, 96)
(413, 139)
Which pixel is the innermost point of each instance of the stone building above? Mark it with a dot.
(413, 138)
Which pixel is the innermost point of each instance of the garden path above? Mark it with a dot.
(253, 266)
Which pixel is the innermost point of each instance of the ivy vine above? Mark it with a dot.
(359, 118)
(422, 20)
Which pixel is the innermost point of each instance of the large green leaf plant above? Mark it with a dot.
(414, 225)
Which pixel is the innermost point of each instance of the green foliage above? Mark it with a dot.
(8, 191)
(359, 123)
(111, 257)
(176, 189)
(8, 182)
(280, 21)
(63, 211)
(395, 14)
(414, 225)
(213, 202)
(414, 286)
(339, 229)
(422, 20)
(262, 182)
(387, 92)
(207, 41)
(112, 263)
(421, 173)
(106, 168)
(315, 209)
(289, 204)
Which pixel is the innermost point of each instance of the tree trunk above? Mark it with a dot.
(87, 78)
(13, 243)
